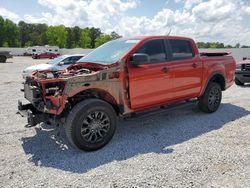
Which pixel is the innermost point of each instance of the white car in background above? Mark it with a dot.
(59, 63)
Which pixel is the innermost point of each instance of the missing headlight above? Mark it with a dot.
(54, 88)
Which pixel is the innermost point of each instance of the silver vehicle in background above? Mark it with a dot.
(59, 63)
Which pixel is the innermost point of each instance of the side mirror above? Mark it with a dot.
(61, 63)
(140, 59)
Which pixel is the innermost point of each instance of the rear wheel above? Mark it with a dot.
(238, 82)
(91, 124)
(210, 100)
(3, 59)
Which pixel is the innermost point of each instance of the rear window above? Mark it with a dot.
(181, 49)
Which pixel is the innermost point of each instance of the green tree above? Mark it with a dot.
(228, 46)
(57, 35)
(10, 34)
(102, 39)
(25, 31)
(94, 34)
(237, 45)
(74, 35)
(5, 44)
(32, 34)
(114, 35)
(69, 42)
(85, 38)
(1, 30)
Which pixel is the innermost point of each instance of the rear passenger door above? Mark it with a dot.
(187, 68)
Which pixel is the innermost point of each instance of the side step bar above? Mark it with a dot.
(161, 109)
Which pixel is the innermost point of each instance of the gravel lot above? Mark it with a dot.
(177, 148)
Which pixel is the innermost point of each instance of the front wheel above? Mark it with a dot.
(91, 124)
(210, 100)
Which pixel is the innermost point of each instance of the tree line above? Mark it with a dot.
(27, 34)
(219, 45)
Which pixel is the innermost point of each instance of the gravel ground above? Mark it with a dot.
(177, 148)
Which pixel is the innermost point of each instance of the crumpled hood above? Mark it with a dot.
(38, 67)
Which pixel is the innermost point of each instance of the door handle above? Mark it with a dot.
(194, 65)
(165, 70)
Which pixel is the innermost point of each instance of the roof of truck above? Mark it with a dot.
(158, 36)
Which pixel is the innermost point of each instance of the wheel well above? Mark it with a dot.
(96, 94)
(218, 78)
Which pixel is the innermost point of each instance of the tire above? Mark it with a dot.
(210, 101)
(91, 124)
(3, 59)
(238, 82)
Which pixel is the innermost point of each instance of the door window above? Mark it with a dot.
(71, 60)
(155, 49)
(181, 49)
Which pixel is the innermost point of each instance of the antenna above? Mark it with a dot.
(169, 32)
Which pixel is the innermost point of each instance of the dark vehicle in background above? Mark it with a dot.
(4, 55)
(49, 55)
(242, 74)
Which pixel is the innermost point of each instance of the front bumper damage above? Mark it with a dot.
(34, 117)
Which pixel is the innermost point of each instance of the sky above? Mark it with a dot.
(226, 21)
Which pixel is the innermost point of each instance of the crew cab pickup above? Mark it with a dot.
(123, 78)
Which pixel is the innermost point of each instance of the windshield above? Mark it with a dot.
(110, 52)
(57, 60)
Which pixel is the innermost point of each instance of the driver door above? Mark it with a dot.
(151, 84)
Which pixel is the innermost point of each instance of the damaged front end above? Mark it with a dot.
(44, 94)
(52, 94)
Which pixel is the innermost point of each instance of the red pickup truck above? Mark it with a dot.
(49, 55)
(123, 78)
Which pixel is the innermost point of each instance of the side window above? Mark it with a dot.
(155, 49)
(67, 60)
(71, 60)
(76, 58)
(181, 49)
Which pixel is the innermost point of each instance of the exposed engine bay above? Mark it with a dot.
(74, 70)
(49, 91)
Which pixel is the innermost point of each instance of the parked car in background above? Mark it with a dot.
(4, 55)
(59, 63)
(242, 74)
(49, 55)
(124, 78)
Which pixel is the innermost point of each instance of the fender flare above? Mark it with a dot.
(210, 78)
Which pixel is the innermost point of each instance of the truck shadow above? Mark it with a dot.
(245, 85)
(155, 133)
